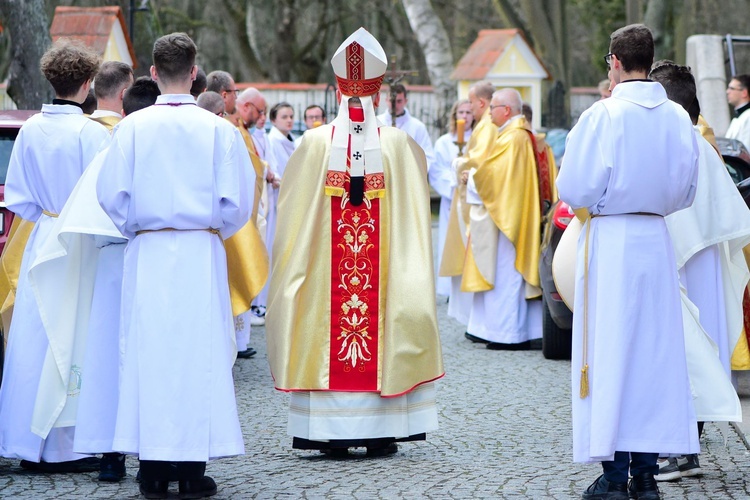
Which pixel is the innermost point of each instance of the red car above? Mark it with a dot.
(10, 124)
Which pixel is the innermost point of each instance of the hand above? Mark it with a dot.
(276, 182)
(465, 177)
(270, 177)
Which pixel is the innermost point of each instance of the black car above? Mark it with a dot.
(557, 319)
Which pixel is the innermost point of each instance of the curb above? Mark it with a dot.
(740, 434)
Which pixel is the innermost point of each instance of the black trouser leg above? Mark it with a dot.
(154, 470)
(159, 470)
(190, 471)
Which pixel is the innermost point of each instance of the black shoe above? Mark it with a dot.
(112, 468)
(336, 452)
(89, 464)
(475, 339)
(603, 489)
(381, 451)
(203, 487)
(154, 489)
(247, 353)
(643, 487)
(497, 346)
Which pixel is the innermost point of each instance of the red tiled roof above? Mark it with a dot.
(91, 25)
(483, 54)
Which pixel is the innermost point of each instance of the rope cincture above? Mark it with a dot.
(584, 391)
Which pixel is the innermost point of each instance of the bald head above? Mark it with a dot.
(511, 97)
(211, 101)
(251, 105)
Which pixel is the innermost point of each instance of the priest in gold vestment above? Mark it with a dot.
(477, 151)
(502, 259)
(351, 323)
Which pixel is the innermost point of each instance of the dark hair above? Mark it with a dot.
(199, 84)
(276, 107)
(112, 77)
(67, 65)
(694, 111)
(89, 104)
(744, 81)
(634, 47)
(141, 94)
(313, 106)
(398, 89)
(218, 81)
(677, 80)
(174, 56)
(527, 112)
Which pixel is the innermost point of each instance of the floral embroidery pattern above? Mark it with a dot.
(355, 270)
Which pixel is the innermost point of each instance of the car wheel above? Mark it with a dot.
(556, 341)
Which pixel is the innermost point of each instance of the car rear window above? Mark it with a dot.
(7, 138)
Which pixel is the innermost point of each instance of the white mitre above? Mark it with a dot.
(359, 65)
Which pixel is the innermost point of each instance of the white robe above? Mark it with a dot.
(442, 178)
(708, 247)
(280, 148)
(52, 150)
(327, 415)
(416, 130)
(174, 165)
(739, 128)
(634, 152)
(77, 286)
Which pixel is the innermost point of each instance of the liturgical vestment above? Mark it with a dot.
(630, 160)
(351, 317)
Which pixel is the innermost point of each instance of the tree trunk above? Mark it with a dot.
(436, 47)
(656, 19)
(27, 23)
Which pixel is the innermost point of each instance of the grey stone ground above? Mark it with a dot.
(505, 432)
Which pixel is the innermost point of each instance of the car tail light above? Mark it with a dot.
(562, 216)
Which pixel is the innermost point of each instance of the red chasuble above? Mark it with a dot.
(355, 284)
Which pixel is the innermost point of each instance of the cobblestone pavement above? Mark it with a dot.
(505, 432)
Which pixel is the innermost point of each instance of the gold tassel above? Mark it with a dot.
(584, 381)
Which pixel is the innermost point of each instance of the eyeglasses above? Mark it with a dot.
(608, 58)
(493, 106)
(260, 111)
(738, 89)
(236, 92)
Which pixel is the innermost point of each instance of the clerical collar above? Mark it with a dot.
(402, 114)
(64, 102)
(741, 109)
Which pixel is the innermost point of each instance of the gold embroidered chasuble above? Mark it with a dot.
(10, 268)
(480, 146)
(108, 121)
(507, 182)
(247, 258)
(314, 322)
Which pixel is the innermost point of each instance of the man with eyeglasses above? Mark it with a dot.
(738, 96)
(222, 83)
(631, 160)
(314, 116)
(502, 257)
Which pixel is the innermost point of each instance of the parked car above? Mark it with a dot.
(557, 319)
(10, 124)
